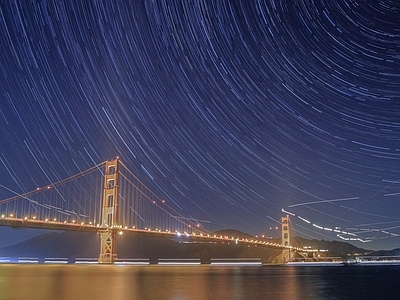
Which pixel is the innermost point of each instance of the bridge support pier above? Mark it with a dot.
(107, 244)
(109, 214)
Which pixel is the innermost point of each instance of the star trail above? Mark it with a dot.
(235, 112)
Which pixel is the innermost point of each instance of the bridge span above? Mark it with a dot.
(100, 200)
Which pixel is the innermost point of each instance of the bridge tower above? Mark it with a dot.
(109, 213)
(286, 255)
(285, 231)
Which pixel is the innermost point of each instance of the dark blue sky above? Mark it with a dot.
(235, 110)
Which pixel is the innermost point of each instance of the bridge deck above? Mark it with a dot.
(54, 225)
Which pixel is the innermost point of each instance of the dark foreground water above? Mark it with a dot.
(197, 282)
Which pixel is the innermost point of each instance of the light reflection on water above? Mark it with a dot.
(195, 282)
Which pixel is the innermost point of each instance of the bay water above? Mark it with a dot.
(97, 282)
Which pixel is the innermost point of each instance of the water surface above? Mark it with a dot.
(42, 281)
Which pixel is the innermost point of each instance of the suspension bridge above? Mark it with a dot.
(110, 200)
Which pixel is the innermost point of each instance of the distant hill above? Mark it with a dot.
(335, 248)
(233, 232)
(56, 244)
(86, 245)
(394, 252)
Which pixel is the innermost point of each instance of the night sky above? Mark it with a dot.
(230, 110)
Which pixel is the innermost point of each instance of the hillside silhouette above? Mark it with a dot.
(71, 245)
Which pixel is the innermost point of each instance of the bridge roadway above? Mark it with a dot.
(199, 237)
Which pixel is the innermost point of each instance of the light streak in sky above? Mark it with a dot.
(324, 201)
(354, 236)
(230, 109)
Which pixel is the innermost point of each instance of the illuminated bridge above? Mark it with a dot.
(107, 199)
